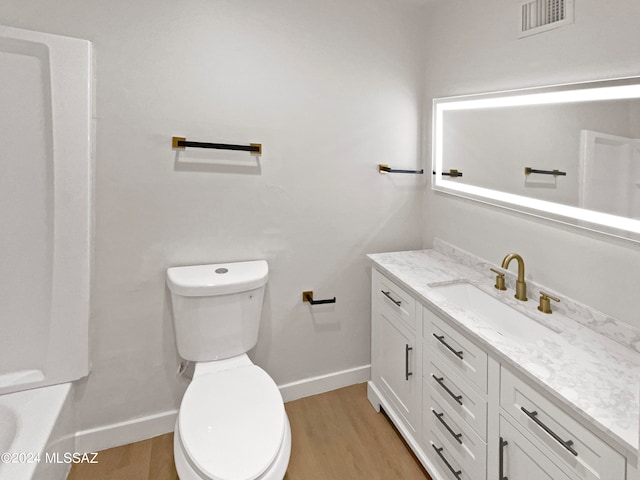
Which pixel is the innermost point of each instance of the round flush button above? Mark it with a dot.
(221, 270)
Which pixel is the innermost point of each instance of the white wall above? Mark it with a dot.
(330, 88)
(473, 48)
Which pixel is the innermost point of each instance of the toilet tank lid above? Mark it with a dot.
(217, 279)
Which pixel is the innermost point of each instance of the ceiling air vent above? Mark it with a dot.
(541, 15)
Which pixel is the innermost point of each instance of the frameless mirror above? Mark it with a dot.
(570, 153)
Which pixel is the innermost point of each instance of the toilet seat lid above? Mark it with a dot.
(232, 423)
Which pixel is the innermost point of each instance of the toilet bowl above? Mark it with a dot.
(232, 424)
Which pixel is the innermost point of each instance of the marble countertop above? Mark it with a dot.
(594, 376)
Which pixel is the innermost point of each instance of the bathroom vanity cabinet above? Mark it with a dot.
(395, 345)
(454, 399)
(467, 413)
(524, 461)
(555, 433)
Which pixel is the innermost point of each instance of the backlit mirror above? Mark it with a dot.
(570, 153)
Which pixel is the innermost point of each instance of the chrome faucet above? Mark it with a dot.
(521, 286)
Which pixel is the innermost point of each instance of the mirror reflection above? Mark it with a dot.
(541, 149)
(580, 154)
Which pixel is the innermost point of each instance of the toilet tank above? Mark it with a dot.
(217, 308)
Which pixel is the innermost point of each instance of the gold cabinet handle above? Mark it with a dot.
(499, 279)
(545, 304)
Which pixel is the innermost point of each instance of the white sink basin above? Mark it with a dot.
(496, 315)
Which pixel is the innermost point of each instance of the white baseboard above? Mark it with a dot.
(324, 383)
(122, 433)
(138, 429)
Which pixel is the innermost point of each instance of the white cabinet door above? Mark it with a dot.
(521, 460)
(570, 444)
(396, 367)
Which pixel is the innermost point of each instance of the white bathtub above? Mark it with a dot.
(45, 202)
(36, 425)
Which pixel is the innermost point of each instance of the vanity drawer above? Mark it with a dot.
(450, 389)
(448, 462)
(461, 354)
(573, 445)
(459, 438)
(397, 303)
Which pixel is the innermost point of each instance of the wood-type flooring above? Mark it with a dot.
(335, 436)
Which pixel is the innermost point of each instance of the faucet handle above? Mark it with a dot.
(499, 279)
(545, 304)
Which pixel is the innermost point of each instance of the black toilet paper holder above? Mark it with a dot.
(307, 296)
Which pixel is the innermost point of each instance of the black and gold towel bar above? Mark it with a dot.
(181, 143)
(555, 173)
(385, 168)
(451, 173)
(307, 296)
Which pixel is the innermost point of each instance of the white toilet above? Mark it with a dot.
(232, 424)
